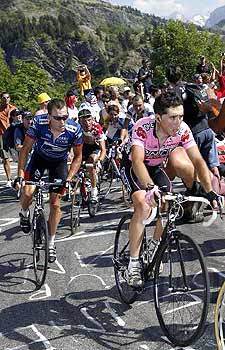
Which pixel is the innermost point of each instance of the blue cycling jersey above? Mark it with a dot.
(48, 147)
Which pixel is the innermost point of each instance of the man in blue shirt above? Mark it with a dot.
(52, 137)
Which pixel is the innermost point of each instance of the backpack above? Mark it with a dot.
(193, 93)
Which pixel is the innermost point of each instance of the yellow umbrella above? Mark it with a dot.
(112, 81)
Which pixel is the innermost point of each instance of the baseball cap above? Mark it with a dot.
(126, 88)
(43, 97)
(84, 113)
(27, 114)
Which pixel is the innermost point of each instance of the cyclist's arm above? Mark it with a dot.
(200, 167)
(102, 150)
(139, 168)
(24, 153)
(76, 162)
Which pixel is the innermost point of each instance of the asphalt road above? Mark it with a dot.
(78, 308)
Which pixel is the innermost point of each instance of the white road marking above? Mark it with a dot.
(60, 270)
(102, 253)
(89, 274)
(217, 271)
(113, 313)
(46, 293)
(91, 319)
(8, 221)
(89, 235)
(42, 339)
(80, 260)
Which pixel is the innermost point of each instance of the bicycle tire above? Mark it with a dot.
(106, 184)
(180, 255)
(121, 258)
(40, 249)
(219, 320)
(93, 207)
(75, 208)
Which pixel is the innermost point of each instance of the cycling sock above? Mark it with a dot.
(134, 262)
(25, 212)
(51, 241)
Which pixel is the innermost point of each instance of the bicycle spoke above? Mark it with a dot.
(181, 290)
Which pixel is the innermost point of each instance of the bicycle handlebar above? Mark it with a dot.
(180, 199)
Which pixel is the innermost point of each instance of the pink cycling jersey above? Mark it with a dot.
(144, 135)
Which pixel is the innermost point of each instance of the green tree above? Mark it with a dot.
(181, 44)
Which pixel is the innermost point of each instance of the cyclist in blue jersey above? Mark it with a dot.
(52, 137)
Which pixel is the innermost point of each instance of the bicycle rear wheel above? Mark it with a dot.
(40, 249)
(121, 259)
(75, 208)
(219, 319)
(181, 290)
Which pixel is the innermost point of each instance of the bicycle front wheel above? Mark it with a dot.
(219, 319)
(121, 259)
(40, 249)
(75, 208)
(181, 290)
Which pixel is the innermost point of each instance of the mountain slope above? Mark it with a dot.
(58, 35)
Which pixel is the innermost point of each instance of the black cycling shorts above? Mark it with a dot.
(157, 174)
(88, 150)
(56, 170)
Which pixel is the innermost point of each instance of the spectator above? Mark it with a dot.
(43, 100)
(154, 93)
(114, 96)
(91, 104)
(99, 91)
(197, 79)
(84, 78)
(20, 130)
(202, 67)
(71, 98)
(5, 109)
(145, 75)
(127, 96)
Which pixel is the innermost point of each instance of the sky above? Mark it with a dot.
(164, 8)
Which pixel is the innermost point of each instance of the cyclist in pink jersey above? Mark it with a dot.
(162, 148)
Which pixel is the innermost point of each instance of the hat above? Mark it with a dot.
(84, 113)
(126, 88)
(43, 97)
(27, 114)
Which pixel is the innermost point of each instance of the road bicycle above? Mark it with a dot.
(112, 172)
(179, 273)
(80, 194)
(219, 319)
(39, 231)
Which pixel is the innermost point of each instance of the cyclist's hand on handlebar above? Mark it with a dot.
(18, 183)
(152, 194)
(65, 187)
(215, 200)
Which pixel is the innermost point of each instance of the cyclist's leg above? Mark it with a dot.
(179, 164)
(33, 172)
(57, 170)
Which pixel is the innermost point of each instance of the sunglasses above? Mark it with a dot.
(58, 118)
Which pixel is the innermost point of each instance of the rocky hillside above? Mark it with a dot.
(58, 35)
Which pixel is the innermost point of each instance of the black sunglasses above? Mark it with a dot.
(58, 118)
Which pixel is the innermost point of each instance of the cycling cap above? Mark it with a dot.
(84, 113)
(43, 97)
